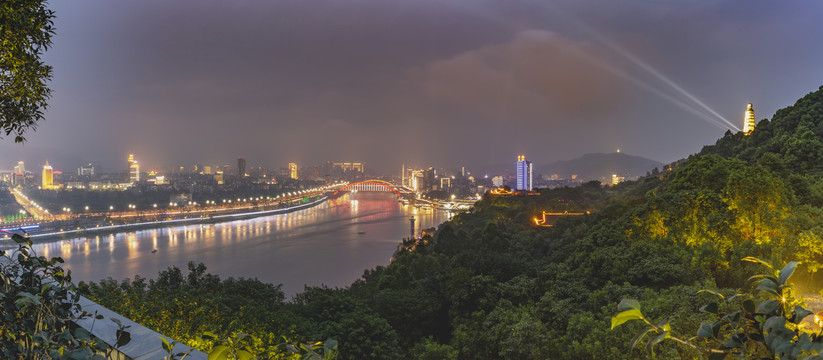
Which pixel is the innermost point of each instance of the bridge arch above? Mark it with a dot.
(389, 186)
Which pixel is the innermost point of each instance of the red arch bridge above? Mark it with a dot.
(373, 185)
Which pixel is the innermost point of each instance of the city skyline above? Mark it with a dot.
(463, 84)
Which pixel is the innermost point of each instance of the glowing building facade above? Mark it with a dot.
(416, 179)
(524, 173)
(293, 170)
(748, 121)
(497, 181)
(345, 166)
(48, 176)
(134, 169)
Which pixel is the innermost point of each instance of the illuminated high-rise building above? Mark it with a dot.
(346, 167)
(85, 171)
(48, 176)
(20, 168)
(134, 169)
(241, 167)
(497, 181)
(293, 170)
(416, 179)
(748, 121)
(524, 173)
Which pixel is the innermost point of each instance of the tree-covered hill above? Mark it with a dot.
(600, 166)
(489, 284)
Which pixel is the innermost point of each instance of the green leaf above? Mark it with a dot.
(710, 308)
(758, 261)
(628, 304)
(640, 337)
(81, 334)
(786, 272)
(705, 330)
(219, 352)
(627, 315)
(244, 355)
(768, 286)
(768, 306)
(123, 338)
(735, 296)
(799, 313)
(748, 305)
(712, 292)
(804, 342)
(653, 342)
(165, 344)
(773, 323)
(664, 324)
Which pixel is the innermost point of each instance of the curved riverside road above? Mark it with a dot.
(330, 244)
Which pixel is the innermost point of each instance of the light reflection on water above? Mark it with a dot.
(319, 245)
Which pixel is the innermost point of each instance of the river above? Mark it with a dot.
(331, 243)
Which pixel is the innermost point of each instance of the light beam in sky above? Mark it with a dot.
(646, 67)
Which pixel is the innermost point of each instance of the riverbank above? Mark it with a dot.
(110, 229)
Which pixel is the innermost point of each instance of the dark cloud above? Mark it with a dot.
(416, 81)
(535, 74)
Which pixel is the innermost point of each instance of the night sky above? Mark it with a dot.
(421, 82)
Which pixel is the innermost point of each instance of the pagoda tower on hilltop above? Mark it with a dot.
(748, 122)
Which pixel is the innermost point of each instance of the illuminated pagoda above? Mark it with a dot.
(748, 122)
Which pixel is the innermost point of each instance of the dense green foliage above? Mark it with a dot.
(39, 307)
(26, 28)
(744, 325)
(490, 285)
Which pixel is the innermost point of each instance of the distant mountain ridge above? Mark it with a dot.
(598, 165)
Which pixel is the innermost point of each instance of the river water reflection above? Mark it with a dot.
(330, 244)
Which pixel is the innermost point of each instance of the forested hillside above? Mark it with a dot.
(491, 285)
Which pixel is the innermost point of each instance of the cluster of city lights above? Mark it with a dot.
(34, 204)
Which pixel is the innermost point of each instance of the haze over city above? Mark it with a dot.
(411, 179)
(462, 83)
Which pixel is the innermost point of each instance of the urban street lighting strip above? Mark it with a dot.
(227, 217)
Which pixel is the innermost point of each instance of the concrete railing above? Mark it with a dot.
(145, 343)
